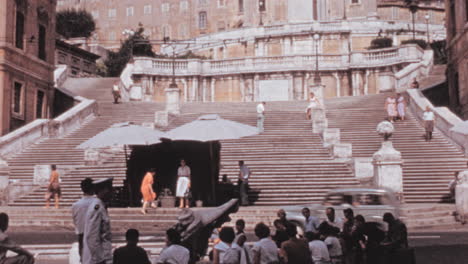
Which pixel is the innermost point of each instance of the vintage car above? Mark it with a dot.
(371, 203)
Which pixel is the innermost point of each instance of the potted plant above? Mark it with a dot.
(167, 199)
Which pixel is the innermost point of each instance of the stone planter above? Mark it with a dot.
(168, 201)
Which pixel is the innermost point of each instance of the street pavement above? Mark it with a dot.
(439, 247)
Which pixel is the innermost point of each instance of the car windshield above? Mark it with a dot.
(356, 199)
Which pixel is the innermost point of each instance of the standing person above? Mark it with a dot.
(429, 120)
(282, 218)
(243, 183)
(415, 83)
(183, 184)
(401, 106)
(53, 189)
(97, 244)
(240, 240)
(397, 234)
(390, 107)
(22, 255)
(333, 243)
(174, 252)
(295, 250)
(264, 250)
(347, 235)
(311, 223)
(453, 185)
(147, 192)
(359, 240)
(280, 233)
(131, 253)
(313, 103)
(224, 252)
(79, 209)
(260, 116)
(332, 219)
(116, 92)
(318, 249)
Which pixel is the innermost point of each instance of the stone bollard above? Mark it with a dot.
(342, 151)
(387, 169)
(330, 137)
(91, 157)
(173, 100)
(461, 196)
(161, 118)
(364, 170)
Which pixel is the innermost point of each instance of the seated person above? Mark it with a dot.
(23, 256)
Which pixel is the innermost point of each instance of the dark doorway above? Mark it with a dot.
(165, 158)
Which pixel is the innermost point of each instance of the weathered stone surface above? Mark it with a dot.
(387, 168)
(161, 118)
(41, 174)
(330, 136)
(342, 151)
(173, 100)
(91, 157)
(148, 125)
(461, 196)
(363, 170)
(317, 113)
(136, 93)
(4, 174)
(319, 125)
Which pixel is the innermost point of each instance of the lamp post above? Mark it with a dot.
(317, 79)
(413, 7)
(427, 17)
(129, 33)
(173, 83)
(344, 9)
(260, 9)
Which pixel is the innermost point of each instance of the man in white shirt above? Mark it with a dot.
(79, 209)
(429, 119)
(318, 249)
(260, 116)
(174, 253)
(332, 219)
(311, 223)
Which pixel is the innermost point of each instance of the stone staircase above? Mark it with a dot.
(427, 166)
(435, 77)
(63, 152)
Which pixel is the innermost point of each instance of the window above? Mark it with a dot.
(166, 32)
(147, 9)
(130, 11)
(221, 3)
(112, 13)
(183, 31)
(42, 43)
(17, 98)
(183, 5)
(261, 5)
(40, 104)
(19, 33)
(165, 7)
(95, 14)
(202, 19)
(241, 5)
(354, 1)
(395, 11)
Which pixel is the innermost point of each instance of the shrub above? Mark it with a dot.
(420, 42)
(73, 23)
(381, 42)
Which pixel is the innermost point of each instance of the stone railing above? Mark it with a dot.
(448, 123)
(126, 82)
(60, 75)
(405, 76)
(17, 140)
(376, 58)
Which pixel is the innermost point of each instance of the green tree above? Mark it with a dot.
(73, 23)
(135, 45)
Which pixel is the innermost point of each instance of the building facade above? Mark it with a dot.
(81, 63)
(457, 49)
(27, 46)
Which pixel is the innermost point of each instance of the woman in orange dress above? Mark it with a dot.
(53, 190)
(147, 190)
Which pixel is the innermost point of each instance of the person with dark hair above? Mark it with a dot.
(224, 252)
(22, 255)
(311, 222)
(397, 235)
(264, 251)
(347, 235)
(183, 184)
(282, 218)
(147, 191)
(174, 252)
(240, 240)
(358, 240)
(280, 234)
(79, 209)
(330, 233)
(332, 219)
(131, 253)
(97, 244)
(53, 189)
(243, 183)
(318, 249)
(295, 250)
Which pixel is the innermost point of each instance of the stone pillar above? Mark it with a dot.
(204, 89)
(386, 81)
(298, 86)
(461, 196)
(161, 118)
(318, 125)
(364, 170)
(256, 87)
(338, 83)
(242, 88)
(212, 89)
(287, 46)
(184, 83)
(387, 168)
(330, 137)
(194, 91)
(147, 93)
(342, 151)
(173, 100)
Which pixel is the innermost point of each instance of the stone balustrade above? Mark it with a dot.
(194, 67)
(73, 118)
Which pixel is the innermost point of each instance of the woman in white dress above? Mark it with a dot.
(313, 103)
(183, 184)
(401, 106)
(390, 107)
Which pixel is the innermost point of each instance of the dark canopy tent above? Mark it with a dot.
(165, 158)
